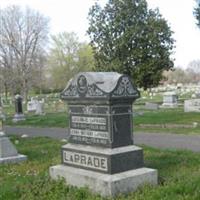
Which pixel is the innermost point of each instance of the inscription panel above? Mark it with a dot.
(85, 160)
(88, 119)
(89, 124)
(89, 129)
(88, 133)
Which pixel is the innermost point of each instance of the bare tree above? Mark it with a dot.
(194, 66)
(23, 38)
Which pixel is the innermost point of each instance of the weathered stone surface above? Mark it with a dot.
(101, 125)
(105, 184)
(100, 153)
(31, 105)
(19, 116)
(8, 153)
(100, 108)
(99, 85)
(151, 106)
(13, 159)
(170, 99)
(105, 160)
(39, 108)
(192, 105)
(7, 149)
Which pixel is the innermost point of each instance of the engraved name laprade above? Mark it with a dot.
(85, 160)
(89, 124)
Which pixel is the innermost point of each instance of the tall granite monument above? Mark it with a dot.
(100, 153)
(19, 115)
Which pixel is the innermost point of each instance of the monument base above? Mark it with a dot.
(105, 184)
(169, 105)
(105, 160)
(18, 117)
(13, 159)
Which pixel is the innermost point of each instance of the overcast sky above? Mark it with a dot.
(71, 15)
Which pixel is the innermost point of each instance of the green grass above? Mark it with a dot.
(162, 117)
(48, 120)
(167, 116)
(179, 175)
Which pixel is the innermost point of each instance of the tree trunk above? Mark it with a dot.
(6, 91)
(25, 90)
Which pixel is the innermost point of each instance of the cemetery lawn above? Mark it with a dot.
(48, 120)
(168, 121)
(179, 175)
(161, 121)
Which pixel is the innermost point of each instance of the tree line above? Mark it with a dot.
(185, 76)
(125, 36)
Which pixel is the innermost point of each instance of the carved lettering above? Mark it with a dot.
(88, 133)
(85, 160)
(89, 120)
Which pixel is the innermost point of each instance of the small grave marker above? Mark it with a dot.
(8, 153)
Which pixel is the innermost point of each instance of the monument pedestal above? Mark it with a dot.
(105, 184)
(8, 153)
(104, 170)
(100, 159)
(18, 117)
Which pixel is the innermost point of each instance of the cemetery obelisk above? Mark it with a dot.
(100, 153)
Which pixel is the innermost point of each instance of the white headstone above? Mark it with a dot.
(170, 99)
(151, 106)
(31, 105)
(192, 105)
(39, 108)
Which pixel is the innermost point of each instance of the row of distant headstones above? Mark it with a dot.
(53, 103)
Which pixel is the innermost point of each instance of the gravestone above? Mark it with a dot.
(100, 153)
(8, 153)
(31, 105)
(19, 116)
(170, 100)
(39, 108)
(151, 106)
(192, 105)
(198, 94)
(193, 96)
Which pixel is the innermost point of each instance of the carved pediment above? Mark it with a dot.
(104, 85)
